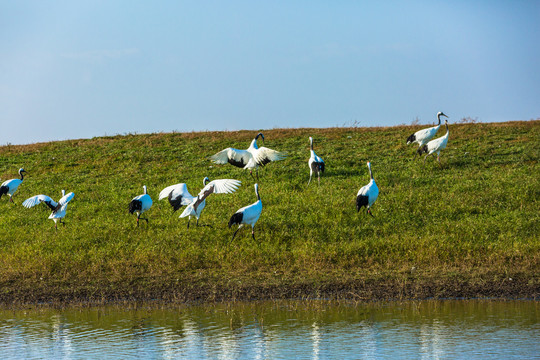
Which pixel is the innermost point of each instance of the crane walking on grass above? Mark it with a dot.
(423, 136)
(250, 159)
(367, 194)
(179, 195)
(435, 146)
(140, 204)
(247, 215)
(58, 208)
(10, 186)
(316, 164)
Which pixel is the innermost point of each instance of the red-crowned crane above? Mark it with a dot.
(367, 194)
(250, 159)
(247, 215)
(435, 146)
(10, 186)
(423, 136)
(140, 204)
(179, 195)
(316, 164)
(58, 208)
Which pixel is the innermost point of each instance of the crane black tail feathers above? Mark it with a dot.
(176, 203)
(3, 190)
(411, 139)
(236, 219)
(361, 200)
(422, 150)
(135, 205)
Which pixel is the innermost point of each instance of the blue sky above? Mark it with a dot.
(79, 69)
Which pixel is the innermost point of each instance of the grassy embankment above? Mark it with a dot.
(470, 228)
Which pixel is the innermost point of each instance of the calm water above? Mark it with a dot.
(284, 330)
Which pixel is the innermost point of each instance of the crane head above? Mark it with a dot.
(261, 135)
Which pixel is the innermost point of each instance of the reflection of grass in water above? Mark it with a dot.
(473, 220)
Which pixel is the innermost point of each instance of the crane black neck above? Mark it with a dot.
(257, 193)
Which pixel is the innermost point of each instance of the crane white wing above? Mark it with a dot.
(188, 210)
(423, 136)
(318, 159)
(426, 132)
(232, 156)
(436, 144)
(265, 155)
(251, 213)
(221, 186)
(363, 190)
(175, 191)
(66, 198)
(37, 199)
(146, 201)
(12, 184)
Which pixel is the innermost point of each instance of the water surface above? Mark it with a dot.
(454, 329)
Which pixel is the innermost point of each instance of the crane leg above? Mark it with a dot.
(319, 178)
(253, 233)
(236, 232)
(251, 172)
(138, 216)
(309, 179)
(202, 224)
(369, 212)
(189, 218)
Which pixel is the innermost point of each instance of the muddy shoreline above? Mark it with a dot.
(200, 292)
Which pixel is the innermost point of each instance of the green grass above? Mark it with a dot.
(475, 219)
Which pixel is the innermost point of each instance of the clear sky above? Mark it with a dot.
(79, 69)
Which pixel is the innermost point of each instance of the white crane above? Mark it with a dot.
(435, 146)
(10, 186)
(316, 164)
(423, 136)
(247, 215)
(367, 194)
(250, 159)
(179, 195)
(58, 208)
(140, 204)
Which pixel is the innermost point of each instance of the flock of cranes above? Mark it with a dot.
(251, 158)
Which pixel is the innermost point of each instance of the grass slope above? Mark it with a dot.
(470, 228)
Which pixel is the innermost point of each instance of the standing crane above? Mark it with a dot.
(367, 194)
(247, 215)
(10, 186)
(316, 164)
(435, 146)
(140, 204)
